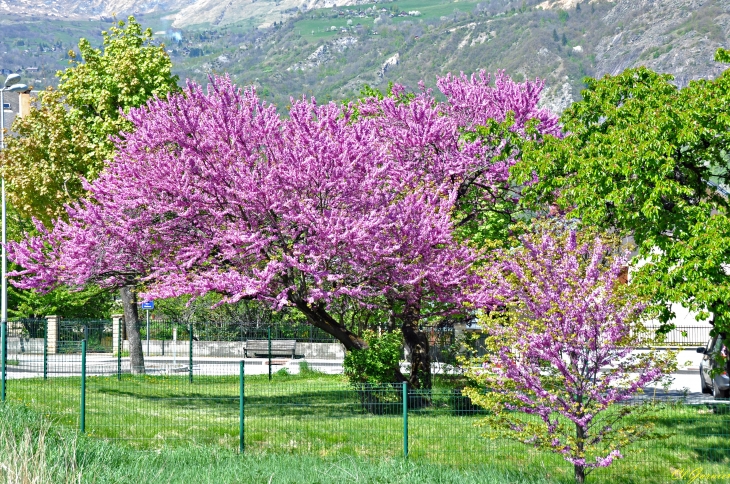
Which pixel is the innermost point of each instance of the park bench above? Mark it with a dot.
(279, 347)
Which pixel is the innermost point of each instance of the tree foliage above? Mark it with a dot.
(69, 135)
(215, 191)
(561, 349)
(650, 160)
(374, 364)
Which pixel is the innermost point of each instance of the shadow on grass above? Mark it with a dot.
(703, 430)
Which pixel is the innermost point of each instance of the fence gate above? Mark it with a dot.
(98, 335)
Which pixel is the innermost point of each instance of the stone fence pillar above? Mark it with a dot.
(52, 328)
(117, 333)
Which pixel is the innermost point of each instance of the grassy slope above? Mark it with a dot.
(516, 36)
(320, 420)
(428, 46)
(31, 451)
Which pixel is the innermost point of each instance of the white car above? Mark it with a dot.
(719, 384)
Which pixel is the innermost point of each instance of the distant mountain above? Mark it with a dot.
(85, 9)
(333, 53)
(182, 12)
(294, 47)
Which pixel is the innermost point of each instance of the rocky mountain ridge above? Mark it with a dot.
(332, 53)
(182, 13)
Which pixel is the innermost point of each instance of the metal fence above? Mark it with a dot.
(96, 332)
(241, 405)
(686, 336)
(233, 331)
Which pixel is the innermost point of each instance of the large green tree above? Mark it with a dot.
(68, 136)
(650, 161)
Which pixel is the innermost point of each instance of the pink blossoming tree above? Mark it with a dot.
(466, 145)
(562, 350)
(214, 191)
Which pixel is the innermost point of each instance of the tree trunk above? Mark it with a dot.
(131, 321)
(580, 473)
(415, 340)
(726, 344)
(580, 470)
(724, 335)
(417, 343)
(319, 317)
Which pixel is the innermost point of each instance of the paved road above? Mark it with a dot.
(685, 382)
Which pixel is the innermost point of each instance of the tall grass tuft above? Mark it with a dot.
(27, 458)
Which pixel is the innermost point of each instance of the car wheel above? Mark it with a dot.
(705, 389)
(719, 394)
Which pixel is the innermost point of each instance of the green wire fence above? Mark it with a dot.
(238, 403)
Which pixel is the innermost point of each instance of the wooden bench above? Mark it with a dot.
(279, 347)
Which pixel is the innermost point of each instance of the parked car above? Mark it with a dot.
(719, 384)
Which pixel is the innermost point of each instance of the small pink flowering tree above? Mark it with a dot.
(562, 350)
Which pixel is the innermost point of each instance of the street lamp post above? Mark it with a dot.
(10, 85)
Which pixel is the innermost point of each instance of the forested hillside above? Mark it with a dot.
(332, 53)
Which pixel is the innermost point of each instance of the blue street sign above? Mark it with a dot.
(148, 305)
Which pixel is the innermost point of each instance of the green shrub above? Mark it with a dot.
(377, 363)
(306, 370)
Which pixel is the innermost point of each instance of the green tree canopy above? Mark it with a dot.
(650, 161)
(68, 135)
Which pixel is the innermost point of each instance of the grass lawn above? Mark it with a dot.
(321, 418)
(320, 27)
(30, 451)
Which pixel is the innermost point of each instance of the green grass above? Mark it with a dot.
(33, 451)
(319, 28)
(320, 419)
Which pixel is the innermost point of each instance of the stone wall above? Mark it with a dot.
(226, 349)
(20, 345)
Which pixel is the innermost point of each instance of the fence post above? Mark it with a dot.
(120, 345)
(405, 419)
(52, 330)
(190, 358)
(269, 335)
(82, 419)
(4, 344)
(117, 333)
(45, 351)
(242, 428)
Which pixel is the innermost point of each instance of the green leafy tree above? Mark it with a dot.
(89, 303)
(376, 363)
(68, 136)
(649, 160)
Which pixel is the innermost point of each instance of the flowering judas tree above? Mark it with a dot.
(562, 350)
(472, 141)
(466, 144)
(214, 191)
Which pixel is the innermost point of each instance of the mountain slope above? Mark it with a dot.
(84, 9)
(182, 12)
(332, 53)
(305, 55)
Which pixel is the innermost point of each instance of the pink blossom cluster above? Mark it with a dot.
(567, 354)
(213, 190)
